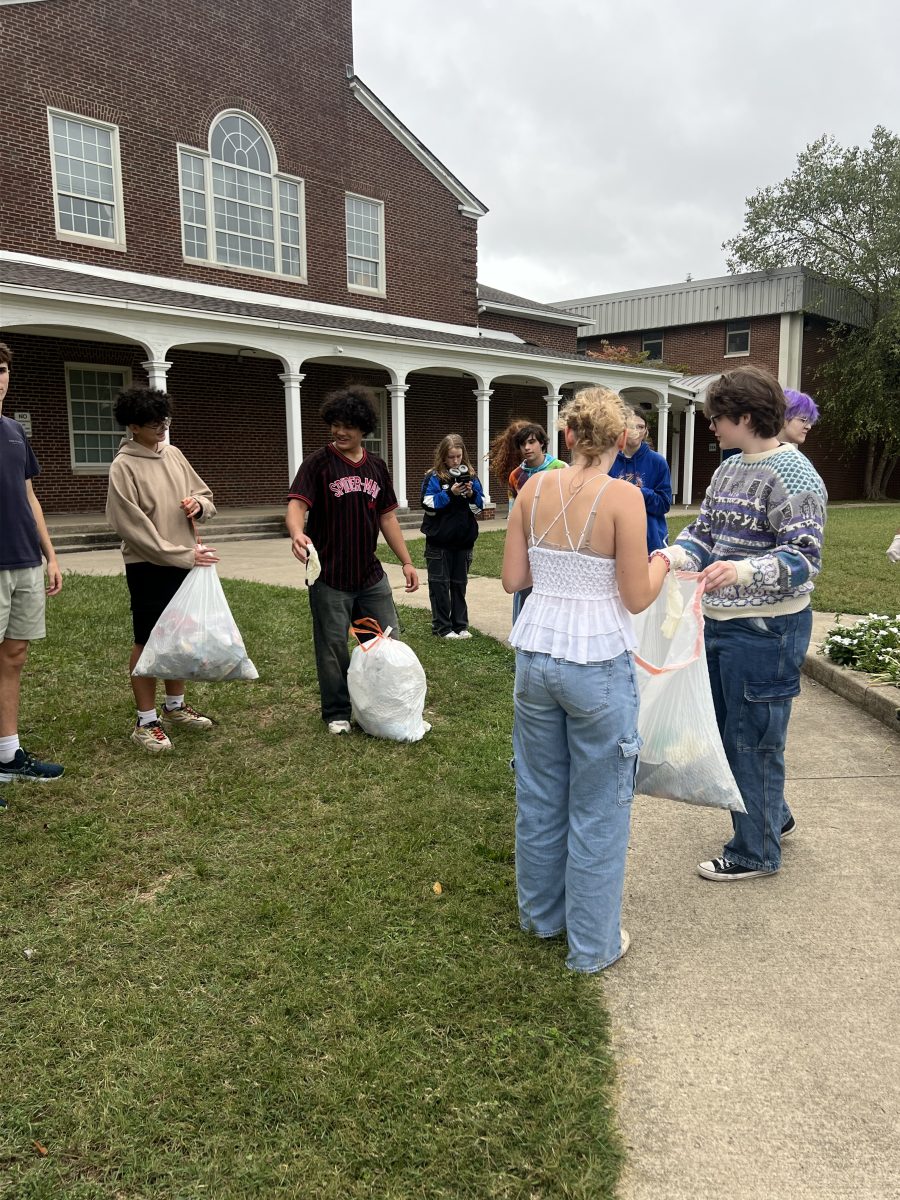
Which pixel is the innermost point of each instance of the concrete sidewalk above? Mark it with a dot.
(757, 1025)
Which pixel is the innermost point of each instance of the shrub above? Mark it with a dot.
(872, 644)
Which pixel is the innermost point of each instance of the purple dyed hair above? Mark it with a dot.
(800, 405)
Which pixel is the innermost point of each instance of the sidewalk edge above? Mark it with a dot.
(880, 700)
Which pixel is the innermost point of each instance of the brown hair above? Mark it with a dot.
(452, 441)
(748, 390)
(5, 353)
(503, 455)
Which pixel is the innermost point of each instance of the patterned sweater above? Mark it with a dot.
(766, 513)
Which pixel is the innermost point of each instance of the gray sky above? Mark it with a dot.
(615, 144)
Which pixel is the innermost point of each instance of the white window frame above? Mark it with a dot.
(89, 468)
(206, 157)
(70, 235)
(359, 289)
(381, 402)
(653, 338)
(736, 327)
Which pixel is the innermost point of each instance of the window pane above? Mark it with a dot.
(84, 175)
(237, 140)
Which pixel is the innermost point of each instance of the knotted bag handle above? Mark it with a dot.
(368, 625)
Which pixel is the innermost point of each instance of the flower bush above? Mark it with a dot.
(872, 644)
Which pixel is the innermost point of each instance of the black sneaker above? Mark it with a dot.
(788, 827)
(722, 870)
(28, 768)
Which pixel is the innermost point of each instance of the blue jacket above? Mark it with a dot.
(650, 472)
(449, 522)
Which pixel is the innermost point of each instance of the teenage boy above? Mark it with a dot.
(23, 540)
(758, 546)
(638, 464)
(531, 442)
(349, 497)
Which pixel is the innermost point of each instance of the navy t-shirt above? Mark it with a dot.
(346, 502)
(20, 545)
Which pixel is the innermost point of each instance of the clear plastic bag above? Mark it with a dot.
(196, 637)
(682, 757)
(387, 685)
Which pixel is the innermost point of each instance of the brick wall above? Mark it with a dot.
(702, 347)
(540, 333)
(282, 62)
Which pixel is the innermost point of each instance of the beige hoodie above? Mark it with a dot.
(143, 504)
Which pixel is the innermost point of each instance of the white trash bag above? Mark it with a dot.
(387, 685)
(682, 757)
(196, 637)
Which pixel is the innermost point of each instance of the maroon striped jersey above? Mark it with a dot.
(346, 502)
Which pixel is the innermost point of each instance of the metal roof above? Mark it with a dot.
(725, 298)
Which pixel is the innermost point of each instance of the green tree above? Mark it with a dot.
(839, 214)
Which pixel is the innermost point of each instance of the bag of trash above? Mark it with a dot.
(387, 685)
(682, 756)
(196, 637)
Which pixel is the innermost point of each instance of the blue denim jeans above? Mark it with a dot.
(754, 670)
(576, 751)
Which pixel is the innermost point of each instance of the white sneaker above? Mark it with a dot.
(338, 726)
(463, 634)
(450, 636)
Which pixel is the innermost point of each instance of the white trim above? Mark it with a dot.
(118, 206)
(381, 397)
(744, 327)
(790, 350)
(79, 468)
(192, 287)
(359, 289)
(469, 204)
(535, 314)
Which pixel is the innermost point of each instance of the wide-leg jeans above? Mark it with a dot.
(576, 751)
(333, 612)
(448, 575)
(754, 671)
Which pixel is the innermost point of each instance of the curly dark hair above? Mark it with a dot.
(748, 390)
(352, 406)
(5, 353)
(142, 406)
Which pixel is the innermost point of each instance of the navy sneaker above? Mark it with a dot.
(27, 768)
(788, 827)
(723, 870)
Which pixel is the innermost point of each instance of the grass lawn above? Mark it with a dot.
(242, 982)
(856, 575)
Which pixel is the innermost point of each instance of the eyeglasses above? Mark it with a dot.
(803, 421)
(163, 424)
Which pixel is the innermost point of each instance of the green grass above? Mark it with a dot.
(856, 575)
(243, 983)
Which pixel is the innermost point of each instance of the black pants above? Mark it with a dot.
(448, 574)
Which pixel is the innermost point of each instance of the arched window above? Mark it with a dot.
(236, 210)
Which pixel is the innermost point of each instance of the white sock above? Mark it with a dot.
(174, 701)
(146, 716)
(8, 747)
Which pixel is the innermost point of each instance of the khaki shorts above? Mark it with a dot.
(22, 602)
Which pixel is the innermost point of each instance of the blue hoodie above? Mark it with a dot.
(650, 472)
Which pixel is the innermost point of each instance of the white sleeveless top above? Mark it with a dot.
(574, 611)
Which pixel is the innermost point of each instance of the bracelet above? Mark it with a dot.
(661, 554)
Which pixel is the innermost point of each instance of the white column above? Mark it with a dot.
(688, 454)
(292, 381)
(675, 466)
(790, 350)
(662, 427)
(483, 398)
(398, 440)
(553, 399)
(156, 369)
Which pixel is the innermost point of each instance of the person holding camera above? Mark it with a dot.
(451, 496)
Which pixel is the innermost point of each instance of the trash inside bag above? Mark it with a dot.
(196, 637)
(682, 757)
(387, 685)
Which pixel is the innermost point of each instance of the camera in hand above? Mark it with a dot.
(460, 474)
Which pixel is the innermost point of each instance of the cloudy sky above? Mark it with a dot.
(615, 144)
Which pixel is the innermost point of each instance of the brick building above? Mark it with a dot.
(778, 320)
(230, 213)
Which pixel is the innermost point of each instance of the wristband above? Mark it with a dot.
(663, 555)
